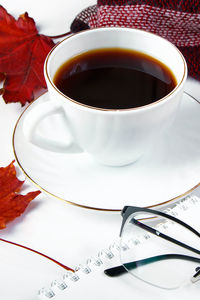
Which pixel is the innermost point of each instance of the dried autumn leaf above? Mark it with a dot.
(8, 180)
(22, 54)
(12, 204)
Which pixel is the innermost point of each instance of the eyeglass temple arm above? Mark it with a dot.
(161, 235)
(127, 210)
(116, 271)
(164, 236)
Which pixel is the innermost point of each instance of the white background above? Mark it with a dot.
(64, 232)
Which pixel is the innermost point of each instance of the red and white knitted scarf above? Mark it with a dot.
(178, 21)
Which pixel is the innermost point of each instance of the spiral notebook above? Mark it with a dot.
(89, 280)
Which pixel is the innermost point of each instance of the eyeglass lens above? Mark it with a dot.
(153, 254)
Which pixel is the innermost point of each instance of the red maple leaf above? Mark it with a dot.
(22, 54)
(12, 204)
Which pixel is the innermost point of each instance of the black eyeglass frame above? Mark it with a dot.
(127, 211)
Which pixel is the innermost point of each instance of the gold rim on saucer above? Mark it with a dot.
(79, 205)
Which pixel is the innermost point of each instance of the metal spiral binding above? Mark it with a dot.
(175, 211)
(56, 285)
(59, 284)
(46, 293)
(182, 205)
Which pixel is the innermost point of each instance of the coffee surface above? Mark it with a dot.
(114, 79)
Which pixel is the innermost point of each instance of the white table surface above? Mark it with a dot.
(67, 233)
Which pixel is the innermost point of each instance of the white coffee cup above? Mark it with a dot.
(114, 137)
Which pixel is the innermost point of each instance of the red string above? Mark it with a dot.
(37, 252)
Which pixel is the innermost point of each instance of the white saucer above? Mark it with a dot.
(165, 172)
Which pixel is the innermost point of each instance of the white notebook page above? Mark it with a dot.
(90, 282)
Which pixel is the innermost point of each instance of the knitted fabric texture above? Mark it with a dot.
(176, 21)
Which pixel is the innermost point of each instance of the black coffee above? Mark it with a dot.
(114, 79)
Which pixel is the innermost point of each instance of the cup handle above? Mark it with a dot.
(33, 120)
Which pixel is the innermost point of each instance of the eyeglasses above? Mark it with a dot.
(160, 249)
